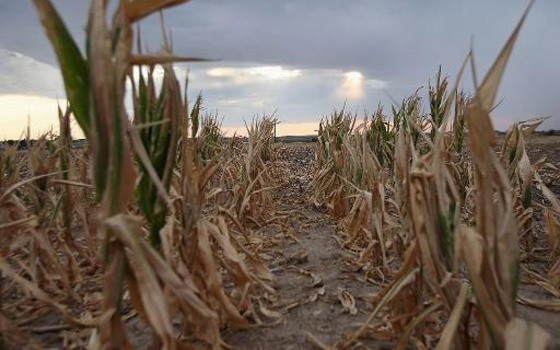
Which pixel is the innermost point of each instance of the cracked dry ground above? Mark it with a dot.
(311, 272)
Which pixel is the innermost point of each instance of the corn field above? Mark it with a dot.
(162, 233)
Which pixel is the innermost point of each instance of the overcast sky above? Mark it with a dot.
(306, 57)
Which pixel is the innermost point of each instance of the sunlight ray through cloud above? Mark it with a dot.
(353, 85)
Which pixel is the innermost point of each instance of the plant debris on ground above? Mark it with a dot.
(419, 228)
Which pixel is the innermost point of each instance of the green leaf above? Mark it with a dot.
(73, 66)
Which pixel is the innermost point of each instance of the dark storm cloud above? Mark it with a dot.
(400, 42)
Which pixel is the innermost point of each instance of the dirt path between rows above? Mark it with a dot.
(311, 274)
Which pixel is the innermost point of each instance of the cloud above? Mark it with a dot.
(238, 91)
(20, 74)
(241, 91)
(396, 45)
(265, 72)
(222, 76)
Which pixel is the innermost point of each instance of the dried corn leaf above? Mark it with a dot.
(391, 291)
(147, 286)
(267, 312)
(472, 253)
(347, 301)
(138, 9)
(548, 305)
(213, 279)
(315, 341)
(452, 325)
(153, 59)
(552, 229)
(488, 89)
(38, 293)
